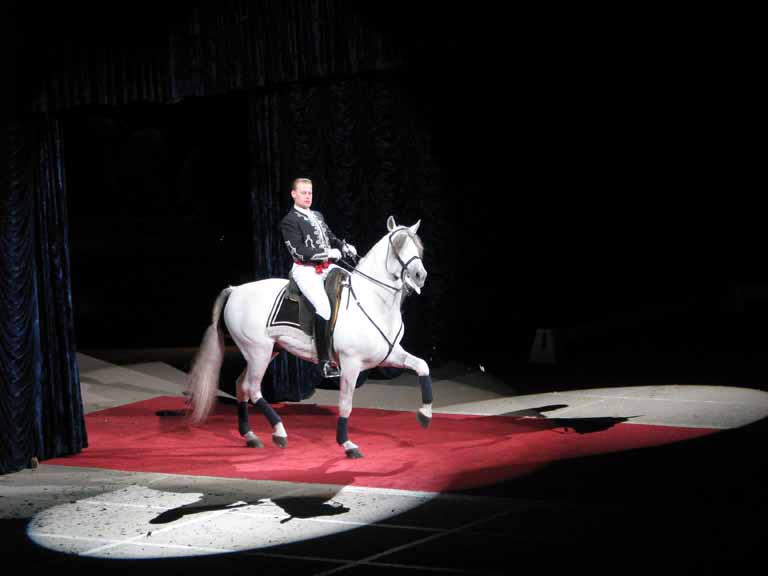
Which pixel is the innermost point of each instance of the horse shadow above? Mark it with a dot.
(302, 507)
(584, 425)
(206, 504)
(344, 477)
(314, 506)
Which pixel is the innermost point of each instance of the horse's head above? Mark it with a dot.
(404, 255)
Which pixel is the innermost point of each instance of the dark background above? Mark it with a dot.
(588, 170)
(578, 171)
(149, 234)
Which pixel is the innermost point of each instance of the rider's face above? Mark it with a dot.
(302, 195)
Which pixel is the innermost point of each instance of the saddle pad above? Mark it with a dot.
(284, 318)
(296, 318)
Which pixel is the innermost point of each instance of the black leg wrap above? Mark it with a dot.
(426, 388)
(268, 411)
(342, 433)
(242, 418)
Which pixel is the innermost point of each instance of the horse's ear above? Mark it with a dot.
(391, 223)
(415, 227)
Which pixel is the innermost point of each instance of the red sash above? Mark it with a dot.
(319, 267)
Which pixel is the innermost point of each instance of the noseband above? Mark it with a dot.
(390, 343)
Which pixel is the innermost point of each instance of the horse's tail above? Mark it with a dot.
(203, 379)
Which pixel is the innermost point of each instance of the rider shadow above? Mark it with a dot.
(535, 412)
(308, 507)
(174, 421)
(342, 478)
(587, 425)
(347, 477)
(396, 440)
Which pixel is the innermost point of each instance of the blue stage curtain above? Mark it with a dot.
(356, 140)
(41, 412)
(311, 71)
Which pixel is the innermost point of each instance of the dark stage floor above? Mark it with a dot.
(692, 507)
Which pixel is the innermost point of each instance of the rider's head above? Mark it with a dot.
(301, 192)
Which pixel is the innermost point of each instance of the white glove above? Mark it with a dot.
(334, 254)
(349, 249)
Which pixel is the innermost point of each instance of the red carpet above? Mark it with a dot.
(455, 453)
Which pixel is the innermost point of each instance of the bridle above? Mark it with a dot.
(404, 267)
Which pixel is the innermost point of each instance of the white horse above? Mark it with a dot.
(368, 332)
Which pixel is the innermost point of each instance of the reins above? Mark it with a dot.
(353, 269)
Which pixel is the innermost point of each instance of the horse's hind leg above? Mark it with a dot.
(243, 425)
(249, 388)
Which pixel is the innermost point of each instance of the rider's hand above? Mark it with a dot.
(334, 254)
(350, 250)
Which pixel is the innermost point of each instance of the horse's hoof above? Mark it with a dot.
(280, 441)
(423, 420)
(254, 443)
(354, 453)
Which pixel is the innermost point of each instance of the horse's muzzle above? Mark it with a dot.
(416, 276)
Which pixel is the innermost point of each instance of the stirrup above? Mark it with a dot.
(330, 370)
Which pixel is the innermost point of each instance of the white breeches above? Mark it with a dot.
(311, 285)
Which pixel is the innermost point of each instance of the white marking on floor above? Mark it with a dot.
(410, 567)
(414, 543)
(345, 522)
(93, 519)
(121, 542)
(205, 517)
(124, 505)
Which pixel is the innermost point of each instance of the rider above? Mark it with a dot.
(313, 246)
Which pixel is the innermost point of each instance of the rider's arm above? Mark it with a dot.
(337, 243)
(332, 239)
(337, 246)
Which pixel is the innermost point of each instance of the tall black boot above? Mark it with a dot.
(323, 343)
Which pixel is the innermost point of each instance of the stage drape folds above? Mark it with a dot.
(356, 141)
(41, 413)
(325, 88)
(160, 52)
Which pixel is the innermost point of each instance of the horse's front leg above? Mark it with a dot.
(350, 370)
(399, 358)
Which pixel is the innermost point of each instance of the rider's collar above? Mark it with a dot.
(305, 211)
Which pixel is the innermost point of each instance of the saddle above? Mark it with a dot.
(292, 311)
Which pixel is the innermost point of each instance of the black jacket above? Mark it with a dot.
(307, 241)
